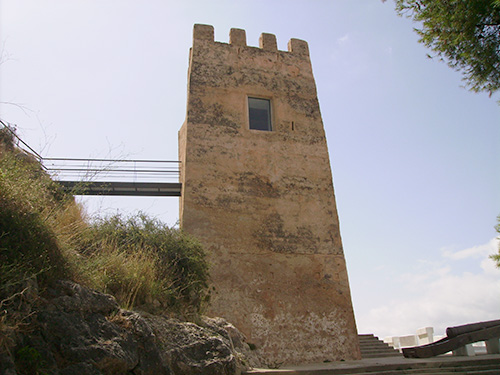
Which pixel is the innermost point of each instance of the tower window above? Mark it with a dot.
(259, 113)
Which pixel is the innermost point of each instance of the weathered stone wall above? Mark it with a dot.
(262, 202)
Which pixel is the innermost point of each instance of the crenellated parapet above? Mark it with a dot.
(236, 69)
(237, 37)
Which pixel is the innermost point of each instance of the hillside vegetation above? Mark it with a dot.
(45, 235)
(69, 285)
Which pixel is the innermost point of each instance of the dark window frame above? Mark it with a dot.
(259, 114)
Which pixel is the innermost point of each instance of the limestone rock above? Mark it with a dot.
(247, 355)
(191, 349)
(76, 330)
(72, 297)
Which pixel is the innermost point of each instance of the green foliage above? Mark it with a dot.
(496, 257)
(6, 139)
(463, 33)
(28, 199)
(175, 260)
(138, 259)
(30, 361)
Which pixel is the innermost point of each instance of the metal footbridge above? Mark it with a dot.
(153, 178)
(146, 178)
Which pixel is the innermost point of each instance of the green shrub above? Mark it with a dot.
(122, 245)
(138, 259)
(28, 244)
(130, 277)
(30, 361)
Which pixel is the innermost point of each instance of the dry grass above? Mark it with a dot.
(44, 233)
(131, 278)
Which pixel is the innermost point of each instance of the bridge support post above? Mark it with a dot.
(493, 346)
(465, 351)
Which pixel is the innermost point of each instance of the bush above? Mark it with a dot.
(28, 244)
(138, 259)
(143, 260)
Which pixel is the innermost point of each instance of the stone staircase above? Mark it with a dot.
(380, 358)
(372, 347)
(479, 365)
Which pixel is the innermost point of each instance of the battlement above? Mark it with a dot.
(237, 37)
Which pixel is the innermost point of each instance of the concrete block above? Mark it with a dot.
(425, 335)
(408, 341)
(493, 346)
(465, 351)
(396, 344)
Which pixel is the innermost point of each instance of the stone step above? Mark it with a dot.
(380, 355)
(377, 348)
(386, 349)
(480, 365)
(476, 369)
(436, 371)
(372, 343)
(372, 347)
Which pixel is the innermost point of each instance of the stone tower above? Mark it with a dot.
(257, 192)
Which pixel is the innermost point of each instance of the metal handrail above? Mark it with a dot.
(9, 128)
(96, 169)
(115, 160)
(117, 169)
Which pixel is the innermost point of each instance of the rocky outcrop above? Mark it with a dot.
(75, 330)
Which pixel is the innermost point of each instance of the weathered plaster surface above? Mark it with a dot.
(263, 202)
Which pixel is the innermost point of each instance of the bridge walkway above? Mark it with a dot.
(89, 176)
(116, 177)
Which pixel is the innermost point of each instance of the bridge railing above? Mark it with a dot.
(108, 176)
(115, 176)
(112, 170)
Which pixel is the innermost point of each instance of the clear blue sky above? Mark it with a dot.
(415, 157)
